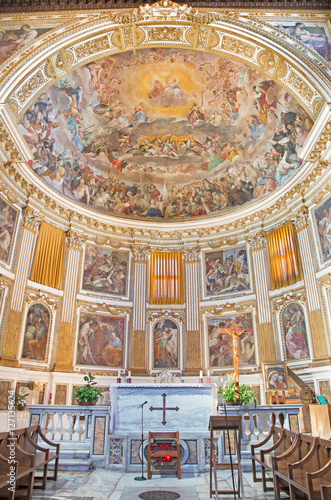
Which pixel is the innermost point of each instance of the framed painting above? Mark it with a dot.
(295, 332)
(101, 340)
(106, 271)
(226, 272)
(275, 377)
(322, 216)
(220, 340)
(36, 333)
(8, 220)
(165, 341)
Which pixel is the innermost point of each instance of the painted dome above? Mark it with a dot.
(165, 134)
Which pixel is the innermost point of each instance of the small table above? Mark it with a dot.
(225, 423)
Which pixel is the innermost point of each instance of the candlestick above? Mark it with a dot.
(201, 375)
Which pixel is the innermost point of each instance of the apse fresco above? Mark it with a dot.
(165, 133)
(100, 340)
(7, 230)
(227, 271)
(220, 335)
(36, 333)
(13, 37)
(314, 35)
(105, 270)
(323, 221)
(166, 345)
(295, 332)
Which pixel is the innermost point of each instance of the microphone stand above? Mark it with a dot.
(142, 477)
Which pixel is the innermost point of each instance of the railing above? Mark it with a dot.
(73, 424)
(256, 422)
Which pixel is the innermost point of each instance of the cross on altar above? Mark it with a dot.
(235, 345)
(163, 408)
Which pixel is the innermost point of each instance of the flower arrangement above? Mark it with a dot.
(88, 394)
(232, 394)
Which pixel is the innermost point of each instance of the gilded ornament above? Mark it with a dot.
(34, 83)
(165, 33)
(236, 46)
(128, 37)
(300, 86)
(93, 47)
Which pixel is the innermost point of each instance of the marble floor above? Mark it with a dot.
(101, 484)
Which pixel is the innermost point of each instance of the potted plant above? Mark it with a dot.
(87, 394)
(20, 401)
(237, 396)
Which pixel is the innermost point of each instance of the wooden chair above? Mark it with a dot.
(299, 449)
(24, 469)
(28, 440)
(279, 443)
(312, 472)
(159, 453)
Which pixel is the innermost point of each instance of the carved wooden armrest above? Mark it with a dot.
(37, 446)
(261, 443)
(24, 457)
(291, 449)
(47, 441)
(274, 447)
(304, 460)
(320, 472)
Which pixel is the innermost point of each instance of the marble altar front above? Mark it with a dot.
(170, 407)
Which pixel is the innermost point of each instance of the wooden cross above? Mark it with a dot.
(163, 408)
(235, 345)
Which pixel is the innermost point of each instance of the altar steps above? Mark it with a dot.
(74, 456)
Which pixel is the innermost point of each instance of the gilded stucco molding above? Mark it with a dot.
(288, 298)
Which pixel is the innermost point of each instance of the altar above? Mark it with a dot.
(170, 407)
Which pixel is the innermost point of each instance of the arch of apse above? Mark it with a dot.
(66, 48)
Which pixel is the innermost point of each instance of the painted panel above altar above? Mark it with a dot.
(185, 407)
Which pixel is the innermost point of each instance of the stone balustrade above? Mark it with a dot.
(256, 422)
(74, 427)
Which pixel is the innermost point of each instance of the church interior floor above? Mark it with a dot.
(101, 484)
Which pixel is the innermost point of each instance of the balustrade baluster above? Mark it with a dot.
(68, 427)
(76, 433)
(50, 427)
(59, 428)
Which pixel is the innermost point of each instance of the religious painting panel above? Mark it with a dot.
(295, 332)
(8, 220)
(165, 134)
(322, 216)
(106, 271)
(313, 34)
(36, 333)
(226, 272)
(14, 36)
(101, 340)
(165, 341)
(220, 340)
(275, 377)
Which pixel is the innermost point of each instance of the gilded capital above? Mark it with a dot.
(191, 254)
(257, 241)
(31, 220)
(140, 253)
(301, 218)
(75, 240)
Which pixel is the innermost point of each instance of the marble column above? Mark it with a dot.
(138, 336)
(267, 352)
(317, 330)
(66, 338)
(10, 350)
(193, 333)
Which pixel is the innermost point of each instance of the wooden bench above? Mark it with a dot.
(312, 472)
(22, 469)
(301, 447)
(325, 492)
(29, 440)
(280, 440)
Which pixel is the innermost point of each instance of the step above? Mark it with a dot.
(73, 464)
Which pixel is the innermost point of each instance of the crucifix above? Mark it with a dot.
(235, 346)
(163, 408)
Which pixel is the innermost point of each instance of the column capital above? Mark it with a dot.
(191, 254)
(75, 240)
(31, 220)
(257, 241)
(300, 219)
(140, 253)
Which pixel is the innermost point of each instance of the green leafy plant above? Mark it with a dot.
(20, 400)
(242, 396)
(88, 394)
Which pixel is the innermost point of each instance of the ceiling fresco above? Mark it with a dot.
(165, 133)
